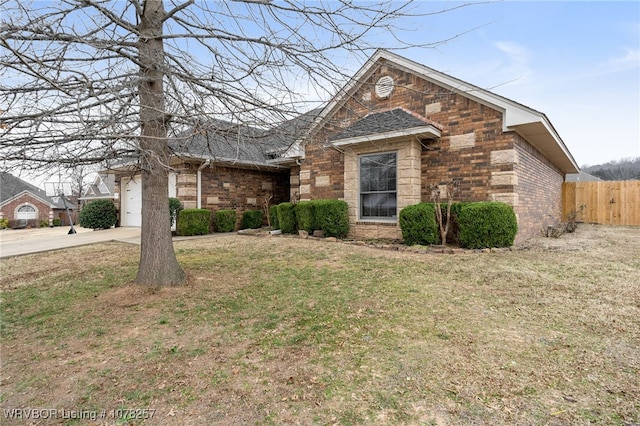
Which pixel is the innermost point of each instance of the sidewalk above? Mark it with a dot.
(29, 241)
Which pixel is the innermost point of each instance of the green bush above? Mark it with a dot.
(99, 214)
(44, 223)
(332, 216)
(193, 222)
(225, 220)
(57, 221)
(252, 219)
(419, 225)
(4, 223)
(286, 218)
(487, 224)
(273, 216)
(174, 208)
(305, 215)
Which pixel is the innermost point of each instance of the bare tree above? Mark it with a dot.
(107, 82)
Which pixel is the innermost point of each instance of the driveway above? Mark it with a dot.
(27, 241)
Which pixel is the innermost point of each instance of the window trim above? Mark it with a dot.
(384, 219)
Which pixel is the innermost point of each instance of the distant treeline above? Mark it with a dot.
(625, 169)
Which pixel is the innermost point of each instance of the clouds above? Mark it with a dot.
(629, 60)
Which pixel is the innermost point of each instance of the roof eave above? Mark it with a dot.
(424, 132)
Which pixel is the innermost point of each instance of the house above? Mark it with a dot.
(24, 204)
(396, 129)
(102, 188)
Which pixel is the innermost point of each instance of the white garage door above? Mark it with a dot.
(132, 203)
(132, 200)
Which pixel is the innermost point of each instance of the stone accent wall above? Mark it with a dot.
(408, 182)
(539, 191)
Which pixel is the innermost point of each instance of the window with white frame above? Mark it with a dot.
(378, 186)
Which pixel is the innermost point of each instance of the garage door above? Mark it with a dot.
(132, 200)
(132, 208)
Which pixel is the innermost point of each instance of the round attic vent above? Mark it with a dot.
(384, 86)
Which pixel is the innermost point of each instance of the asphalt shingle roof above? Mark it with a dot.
(381, 122)
(10, 186)
(225, 141)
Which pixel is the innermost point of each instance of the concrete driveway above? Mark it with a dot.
(27, 241)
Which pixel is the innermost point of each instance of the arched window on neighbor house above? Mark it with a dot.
(26, 212)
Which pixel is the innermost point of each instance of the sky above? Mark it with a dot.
(576, 61)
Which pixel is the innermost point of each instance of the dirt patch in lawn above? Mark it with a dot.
(277, 330)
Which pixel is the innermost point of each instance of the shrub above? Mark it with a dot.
(225, 220)
(332, 216)
(453, 236)
(174, 208)
(418, 224)
(305, 215)
(487, 224)
(99, 214)
(286, 218)
(193, 222)
(4, 223)
(252, 219)
(57, 221)
(273, 216)
(44, 223)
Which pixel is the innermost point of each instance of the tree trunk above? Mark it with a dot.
(158, 264)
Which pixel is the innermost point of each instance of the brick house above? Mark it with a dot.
(24, 204)
(396, 129)
(399, 127)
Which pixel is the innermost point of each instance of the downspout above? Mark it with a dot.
(199, 183)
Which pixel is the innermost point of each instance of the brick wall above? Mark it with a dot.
(240, 189)
(472, 146)
(43, 210)
(539, 191)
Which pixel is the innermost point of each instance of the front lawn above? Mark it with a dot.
(278, 330)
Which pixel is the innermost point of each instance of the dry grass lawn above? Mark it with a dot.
(280, 330)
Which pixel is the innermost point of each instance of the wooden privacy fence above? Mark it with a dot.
(603, 202)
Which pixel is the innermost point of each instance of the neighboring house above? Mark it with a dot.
(24, 204)
(102, 188)
(581, 177)
(395, 130)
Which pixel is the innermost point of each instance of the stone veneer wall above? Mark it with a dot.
(539, 191)
(408, 186)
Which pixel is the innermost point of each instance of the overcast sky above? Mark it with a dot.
(576, 61)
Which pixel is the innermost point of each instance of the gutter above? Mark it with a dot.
(199, 183)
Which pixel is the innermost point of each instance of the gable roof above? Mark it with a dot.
(532, 125)
(12, 187)
(102, 187)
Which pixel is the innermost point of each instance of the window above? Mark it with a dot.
(378, 190)
(26, 212)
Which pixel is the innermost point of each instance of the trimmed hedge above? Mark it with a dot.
(273, 217)
(252, 219)
(286, 218)
(225, 220)
(57, 221)
(419, 225)
(332, 216)
(305, 216)
(487, 224)
(193, 222)
(98, 214)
